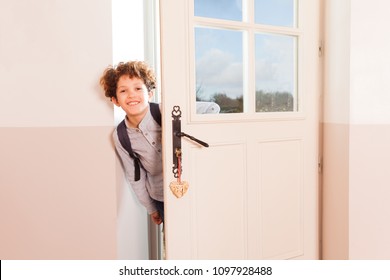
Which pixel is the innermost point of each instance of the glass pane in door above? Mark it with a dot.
(276, 12)
(276, 73)
(219, 70)
(220, 9)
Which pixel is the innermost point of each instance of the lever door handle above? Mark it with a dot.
(177, 134)
(181, 134)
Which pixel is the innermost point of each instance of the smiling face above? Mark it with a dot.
(133, 97)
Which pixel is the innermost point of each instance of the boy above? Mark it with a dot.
(130, 86)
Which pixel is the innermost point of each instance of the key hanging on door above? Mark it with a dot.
(179, 187)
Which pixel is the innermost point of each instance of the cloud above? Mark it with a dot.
(275, 63)
(217, 71)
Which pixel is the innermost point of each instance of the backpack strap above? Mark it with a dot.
(125, 142)
(155, 111)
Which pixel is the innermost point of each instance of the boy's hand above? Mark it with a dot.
(156, 217)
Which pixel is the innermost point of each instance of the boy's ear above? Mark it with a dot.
(115, 101)
(150, 94)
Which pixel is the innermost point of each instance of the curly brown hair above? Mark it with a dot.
(134, 69)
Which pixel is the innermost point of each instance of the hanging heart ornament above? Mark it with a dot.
(179, 188)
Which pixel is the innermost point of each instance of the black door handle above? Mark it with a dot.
(177, 134)
(181, 134)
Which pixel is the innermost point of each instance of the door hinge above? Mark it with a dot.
(320, 165)
(320, 49)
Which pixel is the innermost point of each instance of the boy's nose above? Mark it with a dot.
(130, 93)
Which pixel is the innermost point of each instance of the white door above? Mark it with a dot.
(253, 193)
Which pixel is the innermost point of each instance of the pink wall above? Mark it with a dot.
(356, 130)
(58, 174)
(370, 194)
(57, 195)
